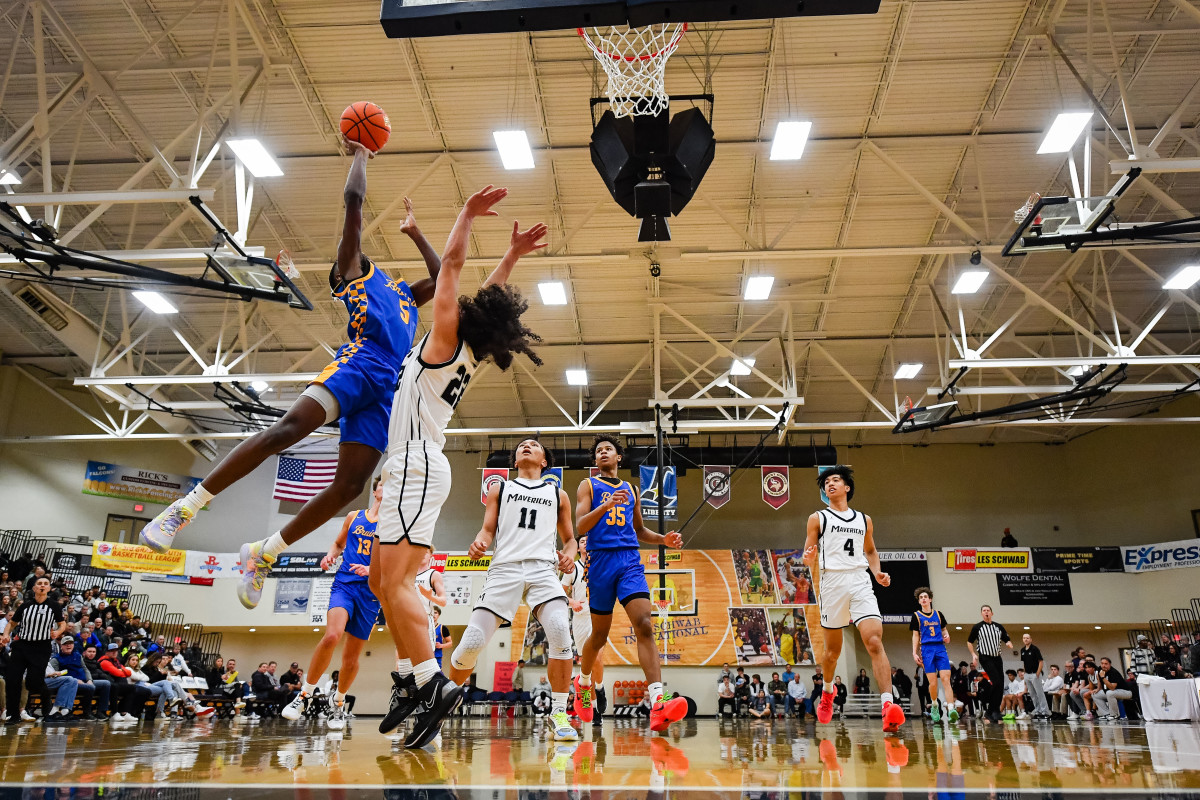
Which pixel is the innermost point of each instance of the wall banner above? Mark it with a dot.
(1048, 589)
(212, 565)
(465, 563)
(1165, 555)
(296, 565)
(135, 558)
(318, 600)
(1002, 559)
(140, 485)
(491, 475)
(648, 483)
(1077, 559)
(291, 595)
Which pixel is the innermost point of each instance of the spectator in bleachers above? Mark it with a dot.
(21, 567)
(39, 570)
(839, 699)
(139, 678)
(159, 645)
(293, 678)
(726, 697)
(216, 675)
(179, 664)
(1012, 706)
(64, 686)
(814, 697)
(173, 692)
(130, 697)
(788, 674)
(902, 683)
(760, 707)
(1113, 688)
(1172, 666)
(797, 692)
(264, 689)
(69, 664)
(778, 694)
(5, 583)
(102, 686)
(541, 697)
(726, 672)
(1056, 691)
(862, 684)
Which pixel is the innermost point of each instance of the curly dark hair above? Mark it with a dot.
(547, 452)
(844, 472)
(490, 324)
(923, 590)
(611, 439)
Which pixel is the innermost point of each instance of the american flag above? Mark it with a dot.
(299, 479)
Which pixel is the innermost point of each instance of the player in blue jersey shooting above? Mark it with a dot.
(610, 513)
(930, 637)
(355, 390)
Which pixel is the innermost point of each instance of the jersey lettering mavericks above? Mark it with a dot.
(527, 523)
(841, 541)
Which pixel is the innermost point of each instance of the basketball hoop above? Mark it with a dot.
(664, 598)
(286, 265)
(635, 60)
(906, 406)
(1021, 213)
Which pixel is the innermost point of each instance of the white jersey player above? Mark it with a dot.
(575, 584)
(433, 379)
(841, 543)
(521, 521)
(431, 587)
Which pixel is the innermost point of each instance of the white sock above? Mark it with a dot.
(425, 671)
(600, 686)
(585, 680)
(829, 688)
(404, 667)
(339, 699)
(197, 498)
(886, 697)
(307, 689)
(654, 692)
(274, 544)
(558, 702)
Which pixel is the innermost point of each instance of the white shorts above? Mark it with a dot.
(415, 486)
(846, 598)
(508, 584)
(581, 627)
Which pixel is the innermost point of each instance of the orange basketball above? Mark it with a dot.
(367, 124)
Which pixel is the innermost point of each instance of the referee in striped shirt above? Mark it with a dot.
(985, 641)
(36, 623)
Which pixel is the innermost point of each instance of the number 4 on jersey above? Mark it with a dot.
(849, 547)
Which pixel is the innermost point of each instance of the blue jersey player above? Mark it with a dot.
(609, 511)
(353, 610)
(355, 390)
(931, 634)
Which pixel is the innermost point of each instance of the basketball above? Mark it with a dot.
(367, 124)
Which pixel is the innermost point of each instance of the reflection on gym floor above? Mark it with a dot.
(515, 757)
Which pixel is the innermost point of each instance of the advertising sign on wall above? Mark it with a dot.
(1002, 559)
(131, 483)
(1046, 589)
(135, 558)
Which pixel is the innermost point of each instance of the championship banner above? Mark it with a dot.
(468, 564)
(135, 558)
(212, 565)
(140, 485)
(554, 474)
(717, 486)
(1051, 589)
(1003, 559)
(1165, 555)
(297, 565)
(291, 595)
(648, 479)
(490, 475)
(775, 488)
(318, 600)
(1077, 559)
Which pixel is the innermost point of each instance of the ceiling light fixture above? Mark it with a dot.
(1184, 279)
(908, 371)
(577, 377)
(758, 287)
(970, 281)
(254, 157)
(156, 302)
(514, 149)
(741, 366)
(790, 140)
(260, 386)
(9, 178)
(1064, 132)
(553, 293)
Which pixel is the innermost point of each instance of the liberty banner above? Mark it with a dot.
(491, 475)
(140, 485)
(649, 492)
(776, 490)
(717, 486)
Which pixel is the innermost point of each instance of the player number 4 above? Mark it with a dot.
(849, 547)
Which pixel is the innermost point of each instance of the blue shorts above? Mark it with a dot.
(359, 603)
(934, 658)
(615, 575)
(364, 387)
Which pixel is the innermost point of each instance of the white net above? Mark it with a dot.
(635, 60)
(1021, 213)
